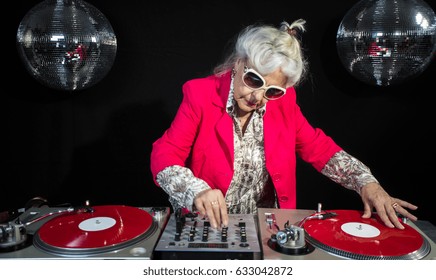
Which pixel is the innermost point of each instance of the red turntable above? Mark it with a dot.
(348, 235)
(338, 234)
(104, 229)
(104, 232)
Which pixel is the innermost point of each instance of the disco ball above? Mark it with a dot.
(386, 42)
(66, 44)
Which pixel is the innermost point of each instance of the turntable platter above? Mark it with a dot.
(350, 236)
(105, 229)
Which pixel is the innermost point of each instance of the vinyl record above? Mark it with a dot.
(350, 236)
(105, 229)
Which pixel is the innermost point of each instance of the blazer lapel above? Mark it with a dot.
(224, 126)
(271, 132)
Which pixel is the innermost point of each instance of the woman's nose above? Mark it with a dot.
(257, 94)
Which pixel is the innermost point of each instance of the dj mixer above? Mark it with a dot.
(192, 237)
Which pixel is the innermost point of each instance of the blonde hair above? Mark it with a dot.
(268, 48)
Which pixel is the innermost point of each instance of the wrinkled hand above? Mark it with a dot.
(387, 207)
(211, 203)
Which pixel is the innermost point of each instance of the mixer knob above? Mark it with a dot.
(204, 237)
(243, 234)
(191, 235)
(243, 237)
(224, 234)
(177, 236)
(205, 234)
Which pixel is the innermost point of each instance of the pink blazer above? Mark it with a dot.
(201, 138)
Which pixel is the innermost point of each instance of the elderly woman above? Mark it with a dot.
(233, 143)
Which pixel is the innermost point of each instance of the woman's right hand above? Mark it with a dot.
(211, 203)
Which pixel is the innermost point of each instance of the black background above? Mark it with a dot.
(95, 144)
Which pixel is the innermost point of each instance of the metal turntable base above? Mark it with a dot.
(320, 252)
(140, 247)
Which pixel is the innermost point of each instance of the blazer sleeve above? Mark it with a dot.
(312, 144)
(174, 146)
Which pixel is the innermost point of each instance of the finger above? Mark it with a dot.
(407, 214)
(399, 207)
(221, 211)
(367, 211)
(392, 214)
(384, 215)
(224, 215)
(402, 208)
(216, 212)
(393, 217)
(405, 204)
(210, 212)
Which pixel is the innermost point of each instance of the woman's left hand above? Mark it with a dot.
(387, 207)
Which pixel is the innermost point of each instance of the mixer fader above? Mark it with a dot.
(188, 236)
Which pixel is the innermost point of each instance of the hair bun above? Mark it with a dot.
(293, 28)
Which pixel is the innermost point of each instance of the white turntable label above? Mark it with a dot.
(97, 224)
(360, 230)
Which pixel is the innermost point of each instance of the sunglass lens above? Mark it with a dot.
(252, 80)
(274, 93)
